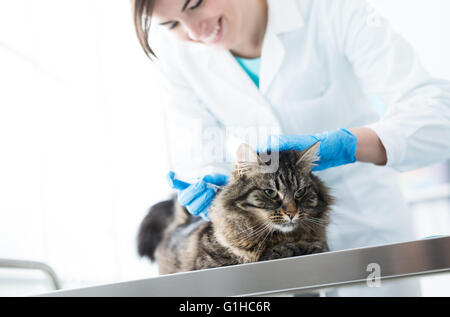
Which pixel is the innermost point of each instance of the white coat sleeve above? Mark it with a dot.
(416, 127)
(191, 131)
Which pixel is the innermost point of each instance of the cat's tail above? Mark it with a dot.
(160, 218)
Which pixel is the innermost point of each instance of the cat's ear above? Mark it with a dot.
(248, 161)
(308, 157)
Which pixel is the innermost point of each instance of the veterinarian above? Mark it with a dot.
(307, 69)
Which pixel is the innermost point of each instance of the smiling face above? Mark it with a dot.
(223, 24)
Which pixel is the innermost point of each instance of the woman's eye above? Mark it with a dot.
(173, 25)
(199, 2)
(271, 193)
(299, 193)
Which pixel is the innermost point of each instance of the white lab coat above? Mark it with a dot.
(320, 62)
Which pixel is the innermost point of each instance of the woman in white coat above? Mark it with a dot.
(233, 68)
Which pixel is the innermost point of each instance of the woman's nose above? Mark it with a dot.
(195, 30)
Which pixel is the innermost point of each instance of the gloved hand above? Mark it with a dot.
(197, 197)
(336, 147)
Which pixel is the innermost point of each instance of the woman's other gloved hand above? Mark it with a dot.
(336, 147)
(198, 196)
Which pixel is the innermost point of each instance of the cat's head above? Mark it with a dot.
(288, 199)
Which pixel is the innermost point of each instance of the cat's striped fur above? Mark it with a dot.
(248, 223)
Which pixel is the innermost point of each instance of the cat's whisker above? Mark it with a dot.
(239, 237)
(263, 229)
(258, 230)
(252, 228)
(310, 225)
(316, 222)
(255, 236)
(305, 224)
(318, 219)
(261, 232)
(249, 236)
(265, 237)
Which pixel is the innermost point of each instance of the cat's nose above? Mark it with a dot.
(291, 214)
(290, 210)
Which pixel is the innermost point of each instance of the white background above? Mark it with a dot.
(82, 152)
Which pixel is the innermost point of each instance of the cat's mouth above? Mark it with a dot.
(285, 227)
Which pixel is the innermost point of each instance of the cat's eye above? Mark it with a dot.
(299, 193)
(271, 193)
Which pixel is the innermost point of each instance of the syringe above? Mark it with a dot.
(179, 182)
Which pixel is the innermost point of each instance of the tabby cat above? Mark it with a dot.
(257, 216)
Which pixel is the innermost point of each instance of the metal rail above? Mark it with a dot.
(32, 265)
(296, 273)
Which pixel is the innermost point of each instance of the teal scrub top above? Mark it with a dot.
(251, 67)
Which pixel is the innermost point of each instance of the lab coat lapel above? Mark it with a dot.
(247, 105)
(271, 59)
(283, 17)
(243, 105)
(223, 65)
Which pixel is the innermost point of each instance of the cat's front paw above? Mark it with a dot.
(290, 249)
(317, 247)
(281, 251)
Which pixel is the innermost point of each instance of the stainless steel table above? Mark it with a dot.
(393, 261)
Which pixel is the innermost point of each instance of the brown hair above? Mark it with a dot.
(142, 12)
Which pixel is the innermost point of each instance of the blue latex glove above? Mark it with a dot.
(336, 147)
(197, 197)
